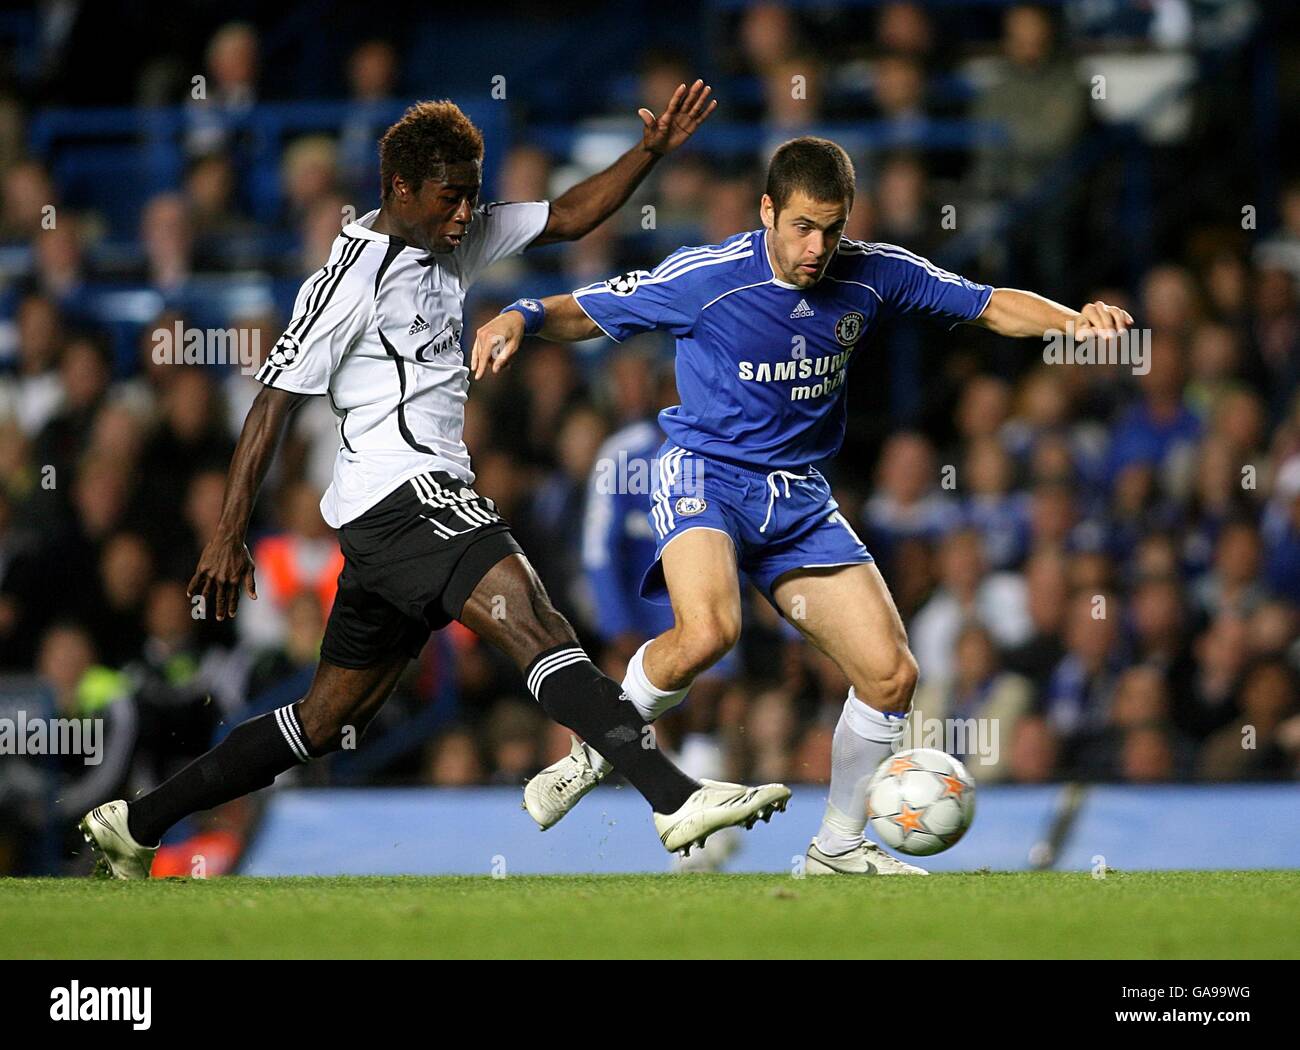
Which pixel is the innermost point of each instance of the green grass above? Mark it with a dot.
(1160, 915)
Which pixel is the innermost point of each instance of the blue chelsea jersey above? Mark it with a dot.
(762, 364)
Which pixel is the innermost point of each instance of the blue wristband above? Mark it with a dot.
(533, 312)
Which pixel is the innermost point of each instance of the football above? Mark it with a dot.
(920, 801)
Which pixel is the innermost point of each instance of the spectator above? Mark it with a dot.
(1159, 430)
(1233, 584)
(513, 730)
(229, 91)
(173, 686)
(1250, 748)
(34, 395)
(899, 93)
(1281, 533)
(60, 263)
(1148, 756)
(996, 600)
(304, 558)
(117, 622)
(1075, 700)
(908, 502)
(1160, 629)
(167, 233)
(28, 195)
(83, 689)
(83, 378)
(1039, 107)
(296, 653)
(1140, 703)
(904, 29)
(1047, 594)
(1222, 654)
(454, 760)
(190, 437)
(982, 697)
(373, 70)
(1034, 751)
(1000, 515)
(310, 175)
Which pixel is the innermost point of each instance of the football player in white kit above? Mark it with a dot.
(377, 330)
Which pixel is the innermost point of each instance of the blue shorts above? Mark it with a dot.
(777, 522)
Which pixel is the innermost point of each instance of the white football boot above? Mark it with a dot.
(718, 805)
(866, 859)
(120, 856)
(558, 787)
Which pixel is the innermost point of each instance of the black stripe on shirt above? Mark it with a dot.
(405, 431)
(350, 255)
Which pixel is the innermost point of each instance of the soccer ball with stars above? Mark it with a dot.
(920, 801)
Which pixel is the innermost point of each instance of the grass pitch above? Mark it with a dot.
(1139, 915)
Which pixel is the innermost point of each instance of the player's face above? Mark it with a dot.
(441, 211)
(803, 237)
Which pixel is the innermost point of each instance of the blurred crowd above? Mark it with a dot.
(1102, 564)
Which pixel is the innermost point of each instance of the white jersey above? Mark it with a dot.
(378, 329)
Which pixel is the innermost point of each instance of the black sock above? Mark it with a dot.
(251, 757)
(573, 692)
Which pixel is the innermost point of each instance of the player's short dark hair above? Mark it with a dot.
(429, 135)
(818, 167)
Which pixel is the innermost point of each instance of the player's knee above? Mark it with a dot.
(703, 641)
(328, 731)
(533, 627)
(901, 682)
(891, 688)
(546, 627)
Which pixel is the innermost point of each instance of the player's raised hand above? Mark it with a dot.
(686, 111)
(225, 567)
(495, 343)
(1102, 320)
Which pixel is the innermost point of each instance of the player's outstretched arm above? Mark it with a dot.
(1019, 314)
(497, 341)
(225, 566)
(586, 205)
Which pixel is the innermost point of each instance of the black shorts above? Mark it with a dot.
(410, 563)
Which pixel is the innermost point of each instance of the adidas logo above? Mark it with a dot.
(802, 310)
(418, 325)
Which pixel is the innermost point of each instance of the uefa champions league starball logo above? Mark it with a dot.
(625, 284)
(849, 328)
(285, 352)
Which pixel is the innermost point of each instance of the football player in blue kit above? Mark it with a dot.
(767, 324)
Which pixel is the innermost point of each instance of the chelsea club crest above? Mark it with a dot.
(688, 505)
(848, 329)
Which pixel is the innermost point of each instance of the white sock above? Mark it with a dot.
(649, 700)
(864, 737)
(646, 697)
